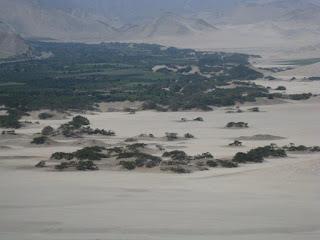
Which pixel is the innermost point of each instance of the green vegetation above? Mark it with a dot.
(11, 120)
(281, 88)
(79, 121)
(212, 163)
(78, 127)
(176, 155)
(171, 136)
(236, 143)
(90, 153)
(188, 136)
(47, 131)
(206, 155)
(301, 148)
(198, 119)
(129, 165)
(133, 156)
(258, 155)
(62, 156)
(227, 164)
(237, 125)
(45, 115)
(87, 153)
(139, 159)
(86, 166)
(40, 140)
(69, 129)
(78, 76)
(299, 97)
(80, 166)
(314, 78)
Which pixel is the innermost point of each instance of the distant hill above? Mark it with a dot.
(187, 23)
(10, 42)
(172, 25)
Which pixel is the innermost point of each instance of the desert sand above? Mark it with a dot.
(278, 199)
(298, 86)
(312, 70)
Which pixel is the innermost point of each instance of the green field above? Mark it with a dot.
(78, 76)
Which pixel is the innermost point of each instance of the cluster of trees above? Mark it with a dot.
(139, 160)
(11, 120)
(45, 115)
(237, 125)
(258, 155)
(78, 126)
(40, 140)
(78, 76)
(80, 165)
(88, 153)
(301, 148)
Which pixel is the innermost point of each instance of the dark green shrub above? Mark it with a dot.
(178, 169)
(87, 166)
(171, 136)
(65, 165)
(227, 164)
(90, 153)
(206, 155)
(198, 119)
(281, 88)
(240, 157)
(10, 121)
(47, 131)
(62, 155)
(188, 135)
(129, 165)
(40, 140)
(175, 155)
(212, 163)
(79, 121)
(41, 164)
(258, 155)
(45, 115)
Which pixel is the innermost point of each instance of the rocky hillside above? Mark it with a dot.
(211, 24)
(10, 42)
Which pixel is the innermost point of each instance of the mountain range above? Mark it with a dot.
(11, 43)
(186, 23)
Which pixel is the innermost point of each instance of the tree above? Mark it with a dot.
(172, 136)
(79, 121)
(188, 135)
(129, 165)
(47, 131)
(40, 140)
(45, 115)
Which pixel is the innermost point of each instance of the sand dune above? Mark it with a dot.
(277, 199)
(255, 203)
(312, 70)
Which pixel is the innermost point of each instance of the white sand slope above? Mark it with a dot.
(276, 200)
(312, 70)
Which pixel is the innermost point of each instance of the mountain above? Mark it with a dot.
(260, 11)
(34, 20)
(307, 15)
(172, 25)
(77, 20)
(213, 24)
(10, 42)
